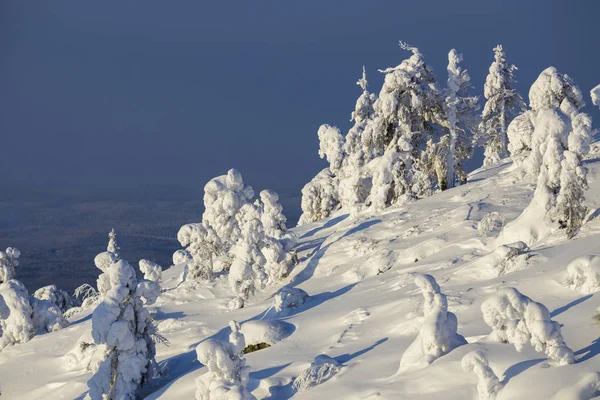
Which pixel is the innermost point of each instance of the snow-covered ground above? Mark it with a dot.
(364, 309)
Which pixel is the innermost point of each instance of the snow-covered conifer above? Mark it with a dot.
(462, 119)
(123, 324)
(4, 312)
(247, 270)
(519, 133)
(559, 142)
(56, 296)
(113, 246)
(227, 375)
(583, 274)
(9, 259)
(489, 385)
(331, 146)
(202, 245)
(516, 319)
(438, 334)
(407, 109)
(503, 103)
(152, 271)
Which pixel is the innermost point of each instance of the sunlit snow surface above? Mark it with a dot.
(362, 319)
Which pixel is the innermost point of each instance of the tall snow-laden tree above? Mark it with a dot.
(122, 323)
(503, 103)
(559, 141)
(409, 109)
(319, 197)
(113, 246)
(9, 259)
(355, 182)
(461, 109)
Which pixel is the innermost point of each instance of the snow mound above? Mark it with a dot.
(269, 332)
(287, 299)
(322, 369)
(583, 274)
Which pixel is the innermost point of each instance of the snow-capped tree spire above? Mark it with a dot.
(502, 105)
(362, 82)
(113, 246)
(461, 110)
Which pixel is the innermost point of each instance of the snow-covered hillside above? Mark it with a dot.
(365, 310)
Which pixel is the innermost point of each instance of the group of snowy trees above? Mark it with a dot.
(413, 138)
(249, 239)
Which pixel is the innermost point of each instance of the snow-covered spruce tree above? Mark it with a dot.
(462, 119)
(503, 103)
(56, 296)
(489, 385)
(438, 334)
(355, 181)
(9, 259)
(113, 246)
(4, 312)
(559, 141)
(203, 246)
(227, 375)
(123, 324)
(408, 109)
(518, 320)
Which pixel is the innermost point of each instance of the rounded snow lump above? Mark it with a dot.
(269, 332)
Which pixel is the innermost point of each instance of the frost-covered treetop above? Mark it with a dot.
(500, 75)
(331, 146)
(595, 93)
(553, 90)
(456, 75)
(364, 104)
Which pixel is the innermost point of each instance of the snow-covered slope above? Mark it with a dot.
(364, 309)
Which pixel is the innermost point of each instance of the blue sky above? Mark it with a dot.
(118, 93)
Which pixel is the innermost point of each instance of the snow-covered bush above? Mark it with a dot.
(152, 271)
(438, 334)
(320, 371)
(9, 259)
(583, 274)
(506, 257)
(503, 103)
(287, 299)
(113, 246)
(518, 320)
(46, 316)
(227, 375)
(319, 197)
(331, 146)
(123, 324)
(489, 385)
(492, 222)
(462, 120)
(272, 216)
(56, 296)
